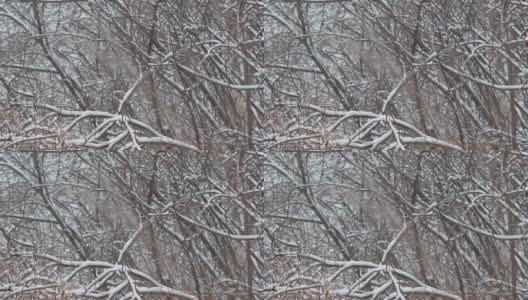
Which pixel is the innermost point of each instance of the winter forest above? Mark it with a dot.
(268, 149)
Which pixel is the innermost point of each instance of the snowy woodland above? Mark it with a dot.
(270, 149)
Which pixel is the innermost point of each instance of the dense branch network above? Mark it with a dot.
(274, 149)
